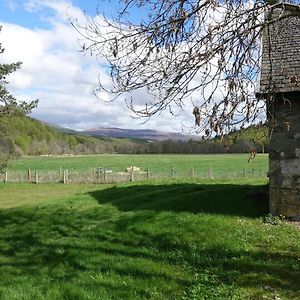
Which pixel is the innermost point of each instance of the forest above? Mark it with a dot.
(21, 135)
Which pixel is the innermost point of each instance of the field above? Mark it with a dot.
(219, 166)
(158, 239)
(153, 162)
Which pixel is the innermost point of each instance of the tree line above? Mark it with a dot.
(22, 135)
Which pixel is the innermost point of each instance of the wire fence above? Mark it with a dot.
(96, 175)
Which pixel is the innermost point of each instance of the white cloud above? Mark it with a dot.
(11, 4)
(21, 80)
(56, 73)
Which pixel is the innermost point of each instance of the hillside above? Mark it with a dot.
(255, 134)
(21, 135)
(145, 134)
(255, 137)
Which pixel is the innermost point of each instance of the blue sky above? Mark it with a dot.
(19, 12)
(38, 33)
(23, 12)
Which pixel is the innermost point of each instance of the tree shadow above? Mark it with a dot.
(56, 246)
(134, 237)
(225, 199)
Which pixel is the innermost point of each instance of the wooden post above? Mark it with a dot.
(210, 173)
(98, 176)
(131, 174)
(245, 173)
(94, 175)
(5, 176)
(105, 175)
(29, 179)
(64, 176)
(67, 175)
(148, 174)
(172, 171)
(36, 177)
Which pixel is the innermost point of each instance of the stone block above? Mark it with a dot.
(284, 202)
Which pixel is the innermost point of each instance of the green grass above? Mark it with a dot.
(19, 195)
(175, 239)
(154, 163)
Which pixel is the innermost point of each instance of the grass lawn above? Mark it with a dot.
(172, 239)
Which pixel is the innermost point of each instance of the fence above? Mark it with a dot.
(97, 175)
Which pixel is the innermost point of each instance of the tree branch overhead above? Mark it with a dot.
(208, 51)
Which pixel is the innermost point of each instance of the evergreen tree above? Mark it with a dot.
(9, 105)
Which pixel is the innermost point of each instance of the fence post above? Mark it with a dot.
(64, 176)
(29, 179)
(148, 174)
(245, 173)
(210, 173)
(105, 175)
(36, 177)
(94, 175)
(172, 171)
(131, 174)
(253, 171)
(97, 176)
(5, 176)
(67, 175)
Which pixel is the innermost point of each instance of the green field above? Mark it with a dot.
(185, 239)
(171, 239)
(220, 163)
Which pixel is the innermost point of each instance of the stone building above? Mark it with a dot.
(280, 87)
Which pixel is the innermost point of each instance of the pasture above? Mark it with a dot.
(82, 169)
(177, 238)
(154, 162)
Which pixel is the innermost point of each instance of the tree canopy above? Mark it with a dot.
(203, 51)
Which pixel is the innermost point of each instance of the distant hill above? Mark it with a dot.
(145, 134)
(22, 135)
(59, 128)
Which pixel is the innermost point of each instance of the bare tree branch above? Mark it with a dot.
(205, 49)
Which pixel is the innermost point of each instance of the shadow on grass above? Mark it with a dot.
(103, 252)
(225, 199)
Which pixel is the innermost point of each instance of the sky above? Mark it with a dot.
(38, 33)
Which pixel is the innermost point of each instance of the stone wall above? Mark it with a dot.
(284, 154)
(280, 64)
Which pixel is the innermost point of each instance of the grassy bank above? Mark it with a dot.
(151, 240)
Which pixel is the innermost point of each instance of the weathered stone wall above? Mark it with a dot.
(280, 65)
(284, 154)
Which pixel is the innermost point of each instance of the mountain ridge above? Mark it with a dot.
(145, 134)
